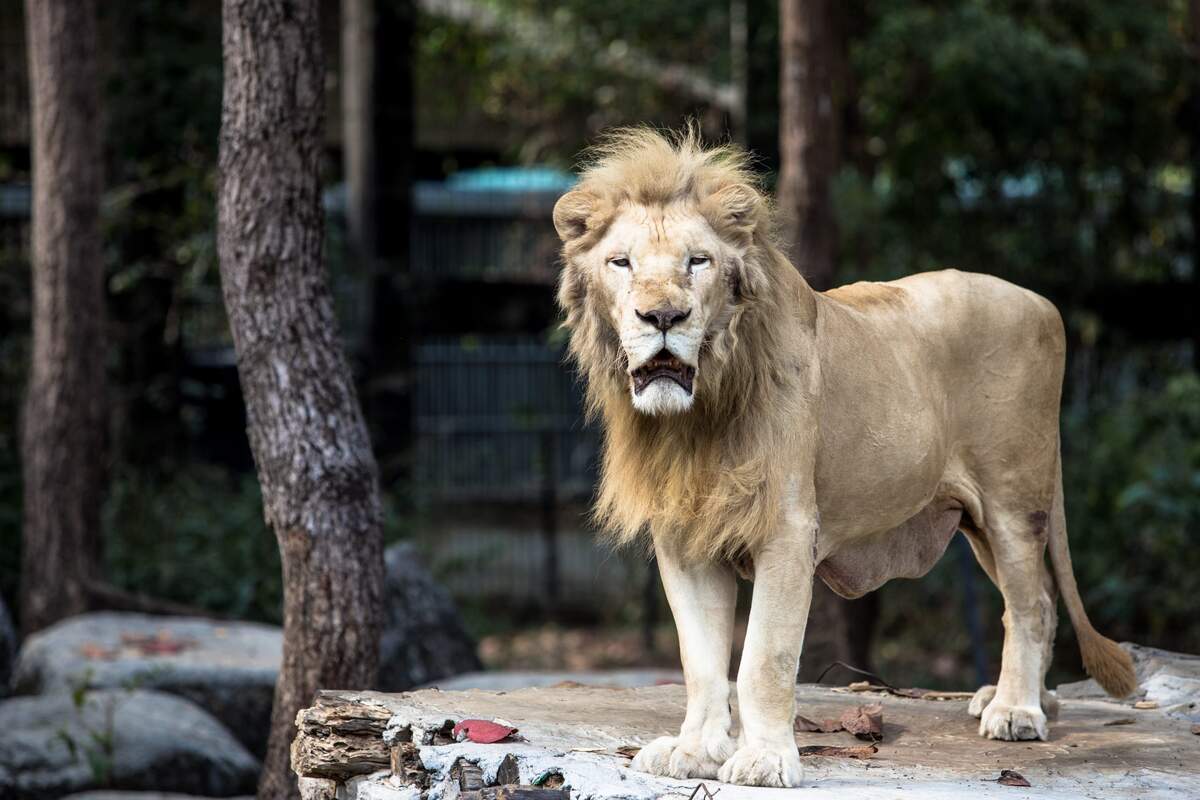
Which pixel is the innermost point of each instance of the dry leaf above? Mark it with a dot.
(860, 686)
(95, 652)
(806, 725)
(865, 722)
(1120, 721)
(481, 731)
(628, 750)
(1010, 778)
(1145, 704)
(864, 751)
(1196, 729)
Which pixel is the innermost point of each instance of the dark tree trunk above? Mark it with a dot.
(306, 429)
(63, 433)
(809, 60)
(1192, 125)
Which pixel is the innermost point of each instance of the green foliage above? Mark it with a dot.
(1132, 475)
(195, 535)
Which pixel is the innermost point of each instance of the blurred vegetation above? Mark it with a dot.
(1044, 142)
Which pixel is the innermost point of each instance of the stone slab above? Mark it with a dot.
(930, 748)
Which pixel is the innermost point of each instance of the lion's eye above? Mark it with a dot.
(698, 261)
(621, 262)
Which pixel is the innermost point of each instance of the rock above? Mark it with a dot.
(104, 795)
(8, 647)
(52, 745)
(423, 638)
(227, 668)
(1171, 680)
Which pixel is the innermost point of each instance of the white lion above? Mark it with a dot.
(844, 435)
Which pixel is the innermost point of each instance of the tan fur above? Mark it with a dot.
(864, 295)
(840, 435)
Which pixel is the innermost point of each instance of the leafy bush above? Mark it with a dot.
(1132, 475)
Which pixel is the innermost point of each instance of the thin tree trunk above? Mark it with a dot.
(63, 433)
(306, 429)
(1192, 124)
(808, 135)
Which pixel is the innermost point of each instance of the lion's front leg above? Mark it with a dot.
(766, 684)
(703, 598)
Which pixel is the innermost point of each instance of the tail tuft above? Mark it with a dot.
(1107, 663)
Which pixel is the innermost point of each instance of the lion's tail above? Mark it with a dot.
(1103, 658)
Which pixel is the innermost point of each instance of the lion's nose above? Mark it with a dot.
(663, 318)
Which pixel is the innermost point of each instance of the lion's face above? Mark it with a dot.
(662, 278)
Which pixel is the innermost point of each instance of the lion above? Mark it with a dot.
(751, 422)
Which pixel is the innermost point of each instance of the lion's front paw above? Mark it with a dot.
(763, 765)
(685, 756)
(1013, 723)
(986, 694)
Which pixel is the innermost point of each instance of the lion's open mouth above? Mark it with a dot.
(663, 365)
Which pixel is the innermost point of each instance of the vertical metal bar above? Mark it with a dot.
(550, 515)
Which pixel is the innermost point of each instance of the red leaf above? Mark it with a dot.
(481, 731)
(865, 722)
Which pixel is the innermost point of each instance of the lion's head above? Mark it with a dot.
(687, 324)
(660, 244)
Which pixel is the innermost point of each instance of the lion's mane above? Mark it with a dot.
(713, 479)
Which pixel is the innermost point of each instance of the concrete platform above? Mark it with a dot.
(930, 748)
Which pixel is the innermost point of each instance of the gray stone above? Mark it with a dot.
(103, 795)
(930, 748)
(423, 638)
(507, 680)
(8, 648)
(1172, 680)
(227, 668)
(53, 745)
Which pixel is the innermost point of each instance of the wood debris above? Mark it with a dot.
(860, 752)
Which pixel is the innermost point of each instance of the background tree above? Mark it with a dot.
(810, 54)
(306, 429)
(64, 419)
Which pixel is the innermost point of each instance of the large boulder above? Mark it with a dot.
(423, 637)
(53, 745)
(106, 795)
(227, 668)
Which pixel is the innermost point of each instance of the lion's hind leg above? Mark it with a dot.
(987, 560)
(1016, 708)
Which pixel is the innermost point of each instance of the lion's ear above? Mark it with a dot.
(735, 209)
(572, 212)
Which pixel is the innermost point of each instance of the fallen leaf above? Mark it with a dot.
(806, 725)
(1196, 729)
(865, 722)
(1145, 704)
(161, 644)
(865, 751)
(95, 652)
(628, 750)
(481, 731)
(1121, 721)
(1010, 778)
(860, 686)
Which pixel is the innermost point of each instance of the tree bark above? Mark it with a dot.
(63, 432)
(808, 135)
(307, 433)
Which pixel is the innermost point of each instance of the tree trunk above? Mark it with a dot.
(1192, 125)
(63, 433)
(808, 135)
(306, 429)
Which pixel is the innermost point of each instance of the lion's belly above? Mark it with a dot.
(906, 551)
